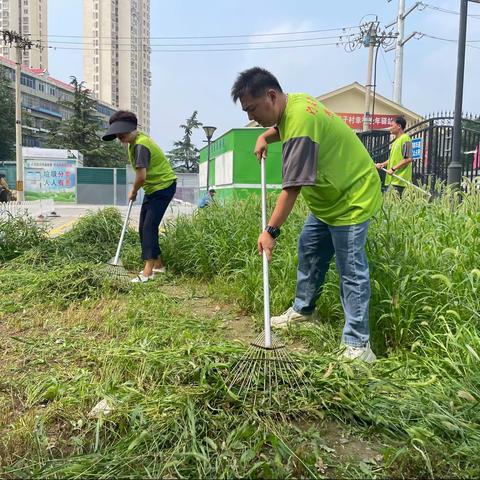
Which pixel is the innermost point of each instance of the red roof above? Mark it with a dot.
(38, 72)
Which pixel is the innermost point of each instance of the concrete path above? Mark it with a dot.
(69, 213)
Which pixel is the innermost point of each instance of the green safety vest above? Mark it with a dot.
(160, 174)
(396, 156)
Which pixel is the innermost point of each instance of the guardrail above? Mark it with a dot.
(36, 209)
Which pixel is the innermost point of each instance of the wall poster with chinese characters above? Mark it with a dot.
(51, 178)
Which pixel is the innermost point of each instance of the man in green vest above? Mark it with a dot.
(323, 159)
(400, 160)
(154, 174)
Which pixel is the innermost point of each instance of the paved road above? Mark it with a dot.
(69, 213)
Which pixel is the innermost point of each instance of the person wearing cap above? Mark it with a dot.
(207, 198)
(155, 175)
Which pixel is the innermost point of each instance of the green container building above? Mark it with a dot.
(234, 169)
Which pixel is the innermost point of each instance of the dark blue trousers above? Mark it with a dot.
(153, 209)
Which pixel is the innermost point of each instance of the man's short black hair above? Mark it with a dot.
(124, 115)
(401, 121)
(212, 190)
(255, 82)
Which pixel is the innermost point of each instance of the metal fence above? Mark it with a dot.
(187, 188)
(436, 133)
(34, 209)
(101, 186)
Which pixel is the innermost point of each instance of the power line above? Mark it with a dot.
(205, 37)
(444, 10)
(450, 40)
(340, 37)
(386, 67)
(206, 50)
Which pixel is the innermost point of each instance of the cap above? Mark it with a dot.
(120, 126)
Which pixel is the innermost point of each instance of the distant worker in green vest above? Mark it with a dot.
(323, 159)
(400, 160)
(154, 174)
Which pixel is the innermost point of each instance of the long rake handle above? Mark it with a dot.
(122, 236)
(266, 287)
(407, 182)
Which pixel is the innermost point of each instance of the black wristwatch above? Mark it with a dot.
(273, 231)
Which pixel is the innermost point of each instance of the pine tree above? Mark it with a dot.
(81, 131)
(184, 156)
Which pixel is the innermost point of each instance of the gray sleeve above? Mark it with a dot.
(407, 150)
(142, 156)
(299, 162)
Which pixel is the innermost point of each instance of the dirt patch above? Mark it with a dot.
(348, 447)
(236, 325)
(241, 328)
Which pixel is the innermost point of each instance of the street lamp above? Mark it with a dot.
(455, 169)
(209, 131)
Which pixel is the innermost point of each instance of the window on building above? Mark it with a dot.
(27, 81)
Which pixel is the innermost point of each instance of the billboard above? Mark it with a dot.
(51, 173)
(379, 121)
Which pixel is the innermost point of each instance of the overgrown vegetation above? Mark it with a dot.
(158, 356)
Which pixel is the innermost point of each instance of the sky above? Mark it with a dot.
(186, 81)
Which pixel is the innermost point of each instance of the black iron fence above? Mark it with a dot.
(436, 132)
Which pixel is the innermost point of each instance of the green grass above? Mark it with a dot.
(158, 353)
(68, 197)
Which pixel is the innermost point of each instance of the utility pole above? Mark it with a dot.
(369, 42)
(454, 173)
(371, 37)
(400, 43)
(397, 86)
(18, 125)
(20, 43)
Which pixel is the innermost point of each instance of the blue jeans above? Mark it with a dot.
(316, 246)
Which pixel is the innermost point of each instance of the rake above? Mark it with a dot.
(267, 376)
(416, 187)
(114, 266)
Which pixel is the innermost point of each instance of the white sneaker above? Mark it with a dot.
(141, 278)
(288, 318)
(364, 354)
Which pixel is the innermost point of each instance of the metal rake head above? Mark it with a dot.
(270, 379)
(117, 272)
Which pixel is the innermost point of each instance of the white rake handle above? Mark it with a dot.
(407, 182)
(122, 236)
(266, 288)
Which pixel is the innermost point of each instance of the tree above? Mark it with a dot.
(184, 156)
(7, 118)
(80, 131)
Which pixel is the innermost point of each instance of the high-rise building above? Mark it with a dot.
(28, 18)
(116, 64)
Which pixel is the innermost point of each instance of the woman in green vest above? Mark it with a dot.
(154, 174)
(400, 160)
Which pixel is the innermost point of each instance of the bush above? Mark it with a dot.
(19, 234)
